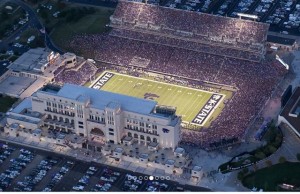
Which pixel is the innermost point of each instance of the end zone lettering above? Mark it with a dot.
(102, 80)
(206, 110)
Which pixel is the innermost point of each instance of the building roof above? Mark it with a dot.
(153, 144)
(31, 61)
(170, 162)
(100, 99)
(25, 104)
(179, 150)
(290, 107)
(127, 138)
(15, 126)
(144, 156)
(281, 40)
(37, 131)
(119, 150)
(197, 168)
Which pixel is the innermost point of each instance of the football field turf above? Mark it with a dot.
(189, 101)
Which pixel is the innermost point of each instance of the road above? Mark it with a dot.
(38, 24)
(34, 22)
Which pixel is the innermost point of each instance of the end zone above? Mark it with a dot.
(102, 80)
(208, 109)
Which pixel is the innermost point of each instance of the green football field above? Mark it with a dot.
(187, 100)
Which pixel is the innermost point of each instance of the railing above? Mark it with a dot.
(95, 121)
(61, 123)
(141, 131)
(59, 113)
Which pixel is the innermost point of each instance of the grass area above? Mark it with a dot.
(63, 31)
(37, 42)
(4, 56)
(269, 178)
(187, 100)
(26, 34)
(6, 102)
(73, 19)
(8, 57)
(13, 58)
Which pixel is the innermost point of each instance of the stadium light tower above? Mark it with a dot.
(247, 16)
(282, 62)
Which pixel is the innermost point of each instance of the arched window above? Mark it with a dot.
(97, 131)
(129, 134)
(135, 136)
(142, 137)
(148, 138)
(155, 140)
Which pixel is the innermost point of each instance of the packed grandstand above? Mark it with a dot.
(192, 45)
(168, 23)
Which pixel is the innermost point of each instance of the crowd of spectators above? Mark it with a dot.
(200, 26)
(76, 75)
(190, 45)
(255, 80)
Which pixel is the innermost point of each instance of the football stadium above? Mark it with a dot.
(192, 57)
(195, 106)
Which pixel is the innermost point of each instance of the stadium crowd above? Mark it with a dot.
(190, 45)
(204, 26)
(255, 80)
(75, 75)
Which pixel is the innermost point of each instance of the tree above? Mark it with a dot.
(282, 159)
(255, 167)
(60, 5)
(8, 26)
(272, 149)
(298, 156)
(245, 171)
(266, 185)
(268, 163)
(33, 1)
(4, 15)
(260, 155)
(44, 14)
(240, 175)
(47, 20)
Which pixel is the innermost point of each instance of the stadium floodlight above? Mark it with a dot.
(282, 62)
(247, 15)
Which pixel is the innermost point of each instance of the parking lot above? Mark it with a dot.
(282, 15)
(3, 66)
(25, 169)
